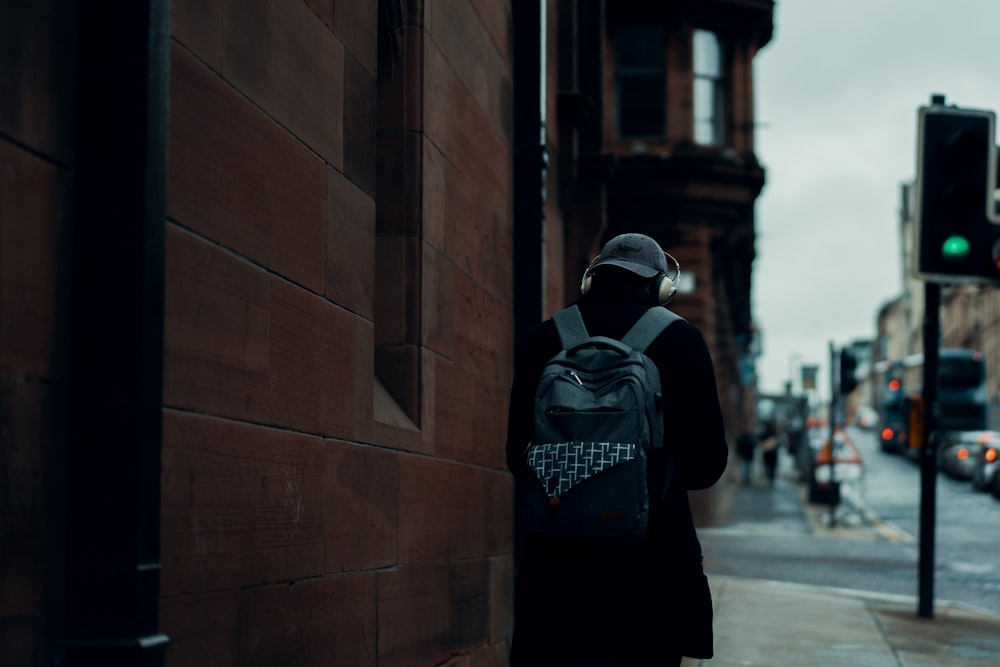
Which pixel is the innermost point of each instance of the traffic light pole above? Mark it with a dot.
(834, 396)
(957, 241)
(928, 453)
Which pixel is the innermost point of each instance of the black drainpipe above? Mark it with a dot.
(530, 163)
(112, 573)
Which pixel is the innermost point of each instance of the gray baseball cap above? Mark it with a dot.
(637, 253)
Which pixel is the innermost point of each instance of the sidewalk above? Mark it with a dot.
(777, 624)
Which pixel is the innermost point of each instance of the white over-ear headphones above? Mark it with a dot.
(588, 277)
(666, 285)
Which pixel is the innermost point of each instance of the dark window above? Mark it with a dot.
(709, 89)
(398, 225)
(640, 69)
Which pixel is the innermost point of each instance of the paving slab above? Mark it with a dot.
(778, 624)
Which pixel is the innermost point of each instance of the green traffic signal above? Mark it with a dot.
(955, 248)
(957, 224)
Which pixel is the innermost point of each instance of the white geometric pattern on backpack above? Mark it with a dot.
(562, 465)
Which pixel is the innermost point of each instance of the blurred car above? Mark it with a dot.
(994, 487)
(986, 466)
(867, 417)
(960, 451)
(892, 440)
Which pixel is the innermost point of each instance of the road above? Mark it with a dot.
(772, 533)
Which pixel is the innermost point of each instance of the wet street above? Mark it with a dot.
(773, 533)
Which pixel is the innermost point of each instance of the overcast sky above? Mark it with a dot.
(837, 93)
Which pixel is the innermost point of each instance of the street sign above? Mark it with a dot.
(809, 377)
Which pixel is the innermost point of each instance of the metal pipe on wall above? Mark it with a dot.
(113, 465)
(530, 165)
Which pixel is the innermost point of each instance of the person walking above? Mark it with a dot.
(646, 603)
(769, 451)
(746, 444)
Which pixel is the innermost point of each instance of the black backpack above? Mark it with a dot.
(598, 411)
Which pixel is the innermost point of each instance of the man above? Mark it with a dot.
(769, 441)
(645, 604)
(746, 444)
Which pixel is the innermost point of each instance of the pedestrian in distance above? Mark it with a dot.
(647, 602)
(769, 441)
(746, 445)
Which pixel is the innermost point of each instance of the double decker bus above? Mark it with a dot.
(962, 401)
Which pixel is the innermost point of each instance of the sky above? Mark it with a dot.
(836, 97)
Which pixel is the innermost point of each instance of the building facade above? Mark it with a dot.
(264, 270)
(656, 135)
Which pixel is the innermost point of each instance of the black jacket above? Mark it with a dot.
(623, 606)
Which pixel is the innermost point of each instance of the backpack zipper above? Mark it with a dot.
(576, 377)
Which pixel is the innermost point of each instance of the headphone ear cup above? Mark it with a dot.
(666, 290)
(588, 276)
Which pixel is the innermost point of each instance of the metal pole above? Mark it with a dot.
(833, 428)
(928, 453)
(530, 166)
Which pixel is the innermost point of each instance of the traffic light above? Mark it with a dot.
(848, 372)
(958, 235)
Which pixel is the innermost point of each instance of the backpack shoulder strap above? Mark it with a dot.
(569, 324)
(650, 325)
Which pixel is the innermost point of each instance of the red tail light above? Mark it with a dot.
(991, 455)
(962, 454)
(887, 433)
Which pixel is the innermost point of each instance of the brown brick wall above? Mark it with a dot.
(296, 527)
(242, 505)
(240, 179)
(282, 498)
(316, 622)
